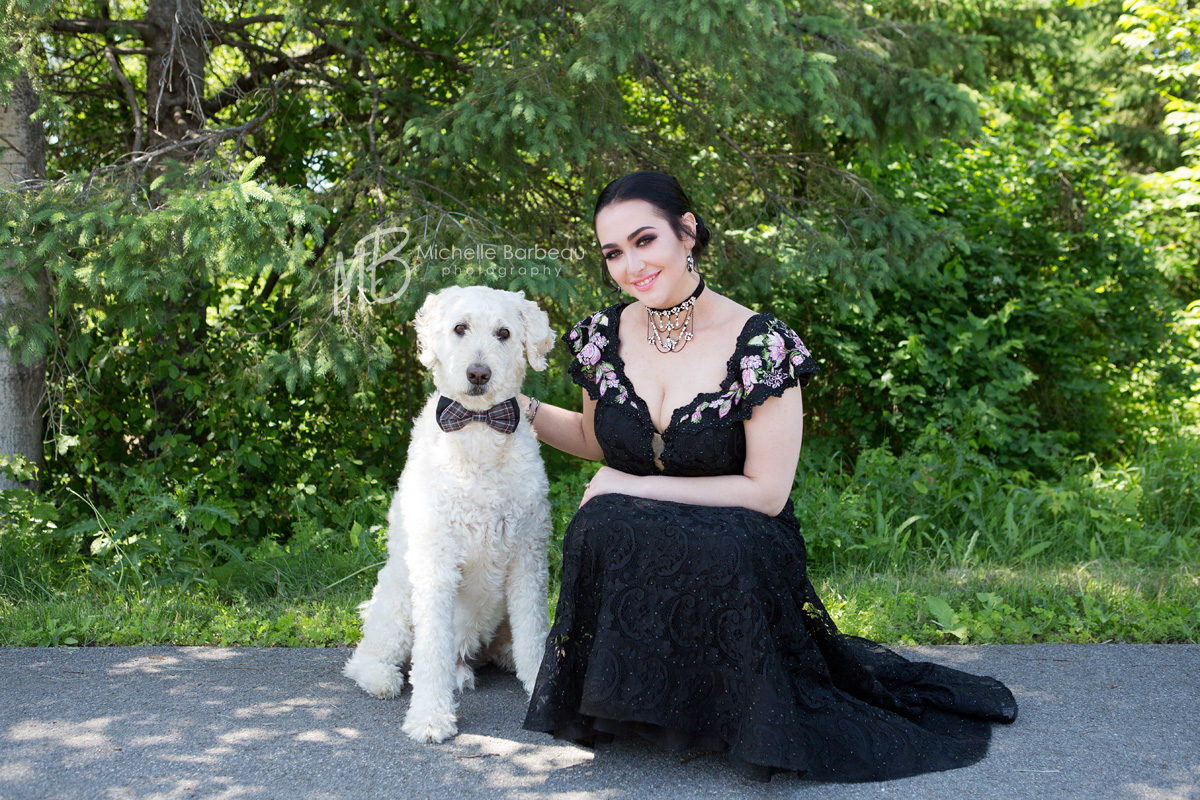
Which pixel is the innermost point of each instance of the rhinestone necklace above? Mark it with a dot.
(669, 329)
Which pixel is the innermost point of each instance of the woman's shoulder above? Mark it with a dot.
(764, 323)
(768, 359)
(771, 355)
(597, 328)
(592, 342)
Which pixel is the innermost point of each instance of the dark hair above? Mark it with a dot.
(665, 194)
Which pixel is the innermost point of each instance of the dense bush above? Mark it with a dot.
(921, 196)
(1044, 329)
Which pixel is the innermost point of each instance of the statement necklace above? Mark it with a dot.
(669, 329)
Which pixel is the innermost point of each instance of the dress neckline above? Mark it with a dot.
(618, 363)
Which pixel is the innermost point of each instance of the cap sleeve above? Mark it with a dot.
(591, 342)
(774, 360)
(769, 359)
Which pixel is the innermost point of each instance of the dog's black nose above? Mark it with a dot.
(478, 374)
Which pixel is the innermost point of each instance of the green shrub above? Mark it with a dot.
(944, 501)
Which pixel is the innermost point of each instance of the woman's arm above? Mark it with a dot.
(569, 431)
(773, 436)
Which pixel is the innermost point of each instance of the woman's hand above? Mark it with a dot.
(606, 481)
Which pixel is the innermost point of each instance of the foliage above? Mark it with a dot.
(882, 580)
(182, 437)
(942, 501)
(943, 199)
(1093, 602)
(201, 368)
(1162, 38)
(18, 29)
(1031, 332)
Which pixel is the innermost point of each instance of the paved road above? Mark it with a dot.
(1096, 722)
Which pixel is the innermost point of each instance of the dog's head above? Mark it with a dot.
(476, 341)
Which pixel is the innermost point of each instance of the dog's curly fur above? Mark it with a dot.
(465, 578)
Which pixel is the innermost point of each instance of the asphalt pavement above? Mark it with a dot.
(143, 723)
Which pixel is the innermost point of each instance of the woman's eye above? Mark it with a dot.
(460, 328)
(611, 254)
(502, 334)
(645, 240)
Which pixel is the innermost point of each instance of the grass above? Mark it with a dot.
(93, 616)
(1097, 601)
(1092, 602)
(935, 545)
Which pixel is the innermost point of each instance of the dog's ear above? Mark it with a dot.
(539, 336)
(427, 322)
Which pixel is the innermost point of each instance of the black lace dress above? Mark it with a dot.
(697, 626)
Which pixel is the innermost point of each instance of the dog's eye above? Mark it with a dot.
(460, 328)
(502, 334)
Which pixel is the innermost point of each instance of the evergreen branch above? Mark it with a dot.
(331, 230)
(315, 256)
(450, 61)
(250, 47)
(375, 103)
(262, 19)
(145, 158)
(403, 40)
(470, 211)
(90, 25)
(115, 62)
(257, 74)
(661, 80)
(244, 22)
(239, 25)
(268, 287)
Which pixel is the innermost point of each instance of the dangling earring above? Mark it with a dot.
(691, 262)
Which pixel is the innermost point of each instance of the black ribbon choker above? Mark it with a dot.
(675, 309)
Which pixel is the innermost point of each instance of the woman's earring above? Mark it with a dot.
(691, 262)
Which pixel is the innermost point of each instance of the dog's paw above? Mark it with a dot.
(375, 677)
(464, 676)
(430, 728)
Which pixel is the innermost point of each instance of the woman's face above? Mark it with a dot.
(644, 256)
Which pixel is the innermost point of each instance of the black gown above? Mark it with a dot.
(697, 626)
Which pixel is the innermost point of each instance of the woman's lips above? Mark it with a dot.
(645, 287)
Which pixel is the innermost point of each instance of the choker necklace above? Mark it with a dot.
(669, 329)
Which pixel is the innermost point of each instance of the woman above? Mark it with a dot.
(686, 614)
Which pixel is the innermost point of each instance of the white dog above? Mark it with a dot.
(468, 525)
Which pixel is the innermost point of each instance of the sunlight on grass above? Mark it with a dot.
(1090, 602)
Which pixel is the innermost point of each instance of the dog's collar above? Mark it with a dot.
(453, 416)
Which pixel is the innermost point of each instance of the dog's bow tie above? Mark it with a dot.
(453, 416)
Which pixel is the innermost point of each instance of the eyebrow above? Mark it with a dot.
(632, 236)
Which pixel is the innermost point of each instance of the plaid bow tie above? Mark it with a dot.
(452, 416)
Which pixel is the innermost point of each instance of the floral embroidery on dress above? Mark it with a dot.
(779, 353)
(588, 346)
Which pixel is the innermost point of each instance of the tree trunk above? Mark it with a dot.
(175, 83)
(22, 158)
(175, 71)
